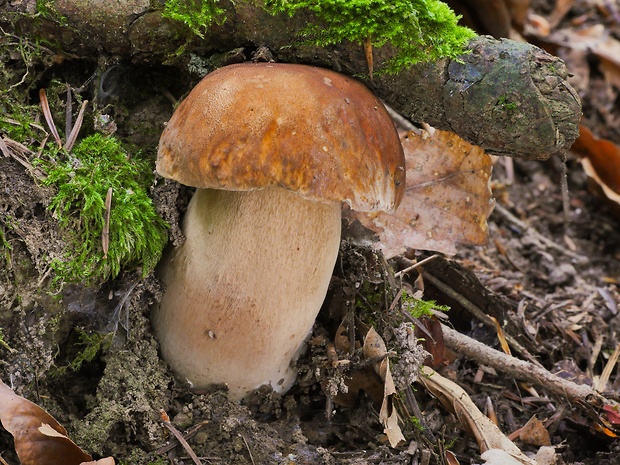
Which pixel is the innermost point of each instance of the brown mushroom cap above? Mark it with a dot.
(310, 130)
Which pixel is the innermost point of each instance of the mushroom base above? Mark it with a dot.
(244, 289)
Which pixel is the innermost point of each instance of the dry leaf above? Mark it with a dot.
(450, 458)
(39, 438)
(358, 380)
(535, 433)
(487, 434)
(498, 457)
(601, 162)
(106, 461)
(447, 198)
(594, 40)
(433, 345)
(375, 347)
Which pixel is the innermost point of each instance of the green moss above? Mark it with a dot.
(92, 344)
(419, 308)
(137, 234)
(47, 9)
(420, 30)
(197, 15)
(416, 423)
(18, 120)
(505, 104)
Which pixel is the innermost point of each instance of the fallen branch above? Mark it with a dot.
(520, 369)
(510, 98)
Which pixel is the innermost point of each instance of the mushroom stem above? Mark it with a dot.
(244, 289)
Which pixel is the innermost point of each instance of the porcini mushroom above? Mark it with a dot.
(273, 150)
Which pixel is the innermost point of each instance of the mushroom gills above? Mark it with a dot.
(267, 256)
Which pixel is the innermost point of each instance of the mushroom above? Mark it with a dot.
(273, 150)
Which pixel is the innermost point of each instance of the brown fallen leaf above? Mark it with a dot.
(454, 398)
(106, 461)
(601, 162)
(39, 438)
(447, 198)
(358, 380)
(388, 416)
(433, 345)
(534, 433)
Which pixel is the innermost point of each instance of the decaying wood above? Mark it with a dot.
(509, 98)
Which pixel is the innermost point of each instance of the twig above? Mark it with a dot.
(190, 433)
(248, 448)
(418, 324)
(580, 259)
(520, 369)
(44, 276)
(166, 422)
(415, 265)
(599, 385)
(412, 403)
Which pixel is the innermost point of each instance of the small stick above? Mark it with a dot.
(520, 369)
(413, 405)
(248, 448)
(166, 421)
(190, 433)
(599, 385)
(415, 265)
(105, 234)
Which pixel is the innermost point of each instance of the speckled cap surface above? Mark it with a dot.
(310, 130)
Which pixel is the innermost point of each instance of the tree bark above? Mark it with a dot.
(510, 98)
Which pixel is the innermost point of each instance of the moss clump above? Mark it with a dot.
(419, 308)
(420, 30)
(17, 122)
(137, 235)
(197, 15)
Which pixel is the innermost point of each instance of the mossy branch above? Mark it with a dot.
(466, 95)
(419, 30)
